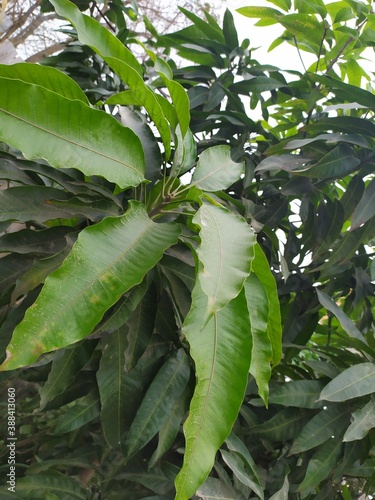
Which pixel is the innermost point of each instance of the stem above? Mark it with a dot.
(299, 53)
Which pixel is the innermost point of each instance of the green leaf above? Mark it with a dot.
(365, 208)
(356, 381)
(221, 352)
(229, 30)
(299, 393)
(237, 465)
(235, 444)
(337, 163)
(282, 493)
(38, 486)
(164, 391)
(363, 421)
(321, 464)
(260, 12)
(45, 76)
(261, 350)
(64, 370)
(345, 322)
(214, 489)
(43, 124)
(45, 242)
(106, 261)
(261, 268)
(185, 153)
(140, 326)
(119, 58)
(78, 413)
(216, 170)
(225, 251)
(320, 428)
(283, 426)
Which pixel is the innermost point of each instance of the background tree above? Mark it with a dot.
(161, 305)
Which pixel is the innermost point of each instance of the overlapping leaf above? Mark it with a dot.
(107, 260)
(43, 124)
(221, 383)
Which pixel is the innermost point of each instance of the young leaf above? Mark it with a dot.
(358, 380)
(221, 352)
(106, 261)
(164, 391)
(226, 252)
(216, 170)
(43, 124)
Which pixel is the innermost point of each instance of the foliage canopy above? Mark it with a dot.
(201, 335)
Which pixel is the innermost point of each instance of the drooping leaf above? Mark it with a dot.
(164, 391)
(325, 424)
(235, 444)
(43, 124)
(213, 488)
(363, 421)
(45, 76)
(64, 370)
(365, 208)
(321, 464)
(106, 261)
(226, 251)
(120, 58)
(237, 465)
(221, 383)
(261, 350)
(216, 170)
(355, 381)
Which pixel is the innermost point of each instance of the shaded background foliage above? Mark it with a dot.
(307, 142)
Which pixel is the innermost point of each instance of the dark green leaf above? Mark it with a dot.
(358, 380)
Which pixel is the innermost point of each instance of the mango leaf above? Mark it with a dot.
(345, 322)
(185, 153)
(283, 426)
(226, 251)
(237, 465)
(320, 428)
(80, 412)
(43, 484)
(221, 352)
(45, 242)
(164, 391)
(282, 493)
(43, 124)
(299, 393)
(356, 381)
(216, 170)
(261, 350)
(214, 489)
(45, 76)
(363, 421)
(260, 12)
(321, 464)
(119, 58)
(106, 261)
(140, 326)
(261, 268)
(64, 370)
(234, 443)
(365, 208)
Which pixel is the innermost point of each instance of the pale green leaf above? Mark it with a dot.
(45, 76)
(356, 381)
(235, 444)
(226, 251)
(43, 124)
(260, 12)
(320, 428)
(120, 58)
(363, 421)
(237, 465)
(164, 391)
(214, 489)
(321, 464)
(216, 170)
(107, 260)
(221, 352)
